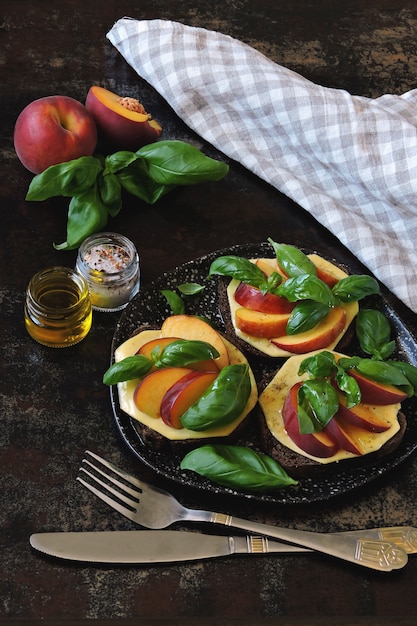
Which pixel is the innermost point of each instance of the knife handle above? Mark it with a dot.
(259, 544)
(403, 536)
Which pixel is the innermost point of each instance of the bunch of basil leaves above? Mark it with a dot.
(313, 296)
(223, 401)
(95, 183)
(318, 399)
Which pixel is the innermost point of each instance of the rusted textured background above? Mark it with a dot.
(54, 404)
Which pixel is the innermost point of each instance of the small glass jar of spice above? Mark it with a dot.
(109, 263)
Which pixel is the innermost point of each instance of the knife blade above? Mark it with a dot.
(151, 546)
(164, 546)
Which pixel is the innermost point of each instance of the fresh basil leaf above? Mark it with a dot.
(118, 161)
(272, 283)
(318, 402)
(306, 287)
(136, 366)
(320, 365)
(173, 162)
(239, 268)
(86, 215)
(110, 193)
(373, 331)
(385, 350)
(67, 179)
(183, 352)
(323, 366)
(190, 289)
(306, 315)
(237, 467)
(136, 181)
(349, 362)
(410, 372)
(355, 287)
(175, 301)
(292, 260)
(349, 386)
(222, 402)
(382, 372)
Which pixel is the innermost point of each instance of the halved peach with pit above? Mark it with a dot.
(122, 122)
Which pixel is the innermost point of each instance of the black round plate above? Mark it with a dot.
(150, 306)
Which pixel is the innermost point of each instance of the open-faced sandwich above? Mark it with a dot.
(183, 384)
(291, 303)
(325, 407)
(190, 391)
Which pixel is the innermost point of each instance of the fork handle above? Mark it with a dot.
(380, 555)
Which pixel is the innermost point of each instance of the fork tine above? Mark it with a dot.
(112, 503)
(119, 494)
(144, 487)
(133, 492)
(127, 477)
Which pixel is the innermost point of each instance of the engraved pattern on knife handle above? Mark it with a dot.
(257, 544)
(403, 537)
(385, 555)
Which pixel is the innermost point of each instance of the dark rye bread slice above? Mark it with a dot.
(244, 346)
(299, 466)
(155, 441)
(152, 439)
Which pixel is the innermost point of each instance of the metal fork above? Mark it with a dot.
(155, 508)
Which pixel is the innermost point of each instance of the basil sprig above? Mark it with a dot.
(373, 331)
(222, 402)
(95, 183)
(380, 371)
(237, 467)
(179, 353)
(176, 300)
(313, 297)
(374, 334)
(318, 398)
(303, 283)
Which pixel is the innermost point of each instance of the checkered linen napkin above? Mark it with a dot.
(350, 161)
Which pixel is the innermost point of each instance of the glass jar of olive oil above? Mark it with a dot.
(58, 310)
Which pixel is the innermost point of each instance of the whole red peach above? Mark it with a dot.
(52, 130)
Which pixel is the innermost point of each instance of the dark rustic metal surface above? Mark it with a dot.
(54, 404)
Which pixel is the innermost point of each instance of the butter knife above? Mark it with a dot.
(160, 546)
(151, 546)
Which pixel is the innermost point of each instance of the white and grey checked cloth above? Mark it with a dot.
(350, 161)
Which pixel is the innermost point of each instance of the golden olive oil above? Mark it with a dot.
(58, 308)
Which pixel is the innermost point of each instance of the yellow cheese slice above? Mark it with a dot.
(127, 388)
(264, 345)
(272, 401)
